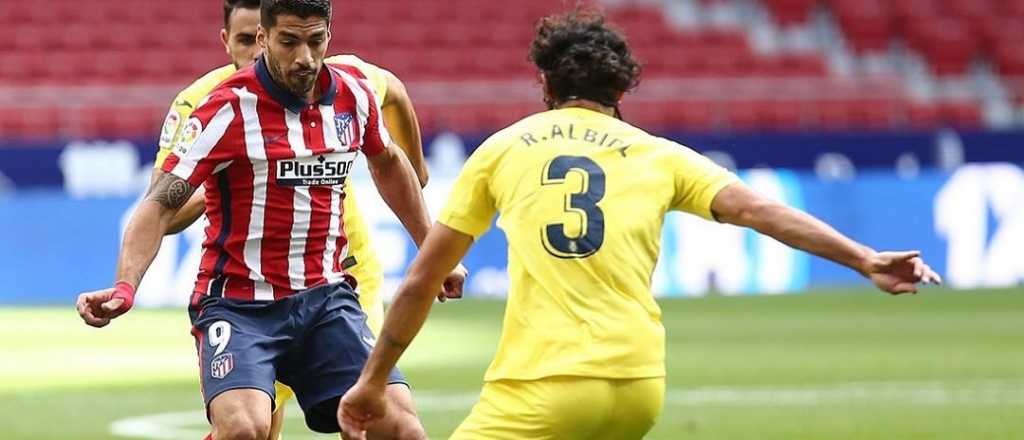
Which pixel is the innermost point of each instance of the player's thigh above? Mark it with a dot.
(241, 413)
(544, 409)
(401, 421)
(330, 358)
(637, 405)
(237, 349)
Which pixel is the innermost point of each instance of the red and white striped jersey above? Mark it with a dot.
(274, 169)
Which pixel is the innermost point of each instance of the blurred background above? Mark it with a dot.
(901, 122)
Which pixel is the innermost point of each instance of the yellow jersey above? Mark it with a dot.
(367, 269)
(582, 198)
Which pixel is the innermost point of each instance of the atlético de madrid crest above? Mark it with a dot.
(222, 365)
(345, 129)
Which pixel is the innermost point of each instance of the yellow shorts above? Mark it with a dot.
(565, 408)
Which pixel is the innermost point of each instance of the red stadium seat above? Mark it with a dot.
(109, 43)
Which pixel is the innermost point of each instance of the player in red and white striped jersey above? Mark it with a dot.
(273, 146)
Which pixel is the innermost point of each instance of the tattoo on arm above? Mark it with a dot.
(170, 191)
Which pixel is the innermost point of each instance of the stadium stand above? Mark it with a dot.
(739, 65)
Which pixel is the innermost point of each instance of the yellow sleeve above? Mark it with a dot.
(471, 205)
(171, 130)
(376, 76)
(183, 106)
(698, 180)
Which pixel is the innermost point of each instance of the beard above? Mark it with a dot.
(299, 85)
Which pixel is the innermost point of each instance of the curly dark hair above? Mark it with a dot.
(582, 57)
(231, 5)
(271, 9)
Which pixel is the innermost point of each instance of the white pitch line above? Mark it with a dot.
(190, 425)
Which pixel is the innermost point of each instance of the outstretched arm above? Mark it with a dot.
(440, 253)
(400, 118)
(893, 272)
(148, 224)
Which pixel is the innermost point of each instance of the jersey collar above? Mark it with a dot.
(288, 99)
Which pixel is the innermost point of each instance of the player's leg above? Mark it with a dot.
(242, 414)
(238, 345)
(331, 358)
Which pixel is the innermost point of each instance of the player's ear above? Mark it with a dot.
(261, 37)
(224, 39)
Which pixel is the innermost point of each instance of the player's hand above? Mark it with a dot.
(453, 284)
(99, 307)
(362, 405)
(899, 272)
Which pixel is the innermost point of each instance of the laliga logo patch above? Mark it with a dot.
(346, 131)
(188, 137)
(222, 365)
(170, 128)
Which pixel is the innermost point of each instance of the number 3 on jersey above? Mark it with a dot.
(583, 204)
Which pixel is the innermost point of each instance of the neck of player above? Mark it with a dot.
(589, 105)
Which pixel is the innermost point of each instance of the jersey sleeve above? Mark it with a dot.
(176, 118)
(376, 138)
(204, 147)
(697, 181)
(471, 205)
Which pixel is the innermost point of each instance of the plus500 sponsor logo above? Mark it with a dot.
(331, 169)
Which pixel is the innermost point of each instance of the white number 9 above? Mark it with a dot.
(219, 334)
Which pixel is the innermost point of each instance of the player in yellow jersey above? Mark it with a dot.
(582, 197)
(241, 19)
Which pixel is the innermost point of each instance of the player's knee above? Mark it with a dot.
(410, 430)
(241, 426)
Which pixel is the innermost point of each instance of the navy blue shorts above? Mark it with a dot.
(316, 342)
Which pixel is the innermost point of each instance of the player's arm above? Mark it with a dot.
(893, 272)
(467, 216)
(397, 184)
(194, 208)
(400, 117)
(441, 252)
(203, 151)
(146, 228)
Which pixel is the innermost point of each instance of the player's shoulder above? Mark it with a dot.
(513, 134)
(193, 95)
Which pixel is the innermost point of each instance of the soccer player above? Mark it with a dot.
(241, 20)
(273, 145)
(582, 197)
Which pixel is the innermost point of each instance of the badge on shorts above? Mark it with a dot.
(346, 131)
(222, 365)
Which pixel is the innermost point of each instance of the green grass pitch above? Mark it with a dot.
(851, 364)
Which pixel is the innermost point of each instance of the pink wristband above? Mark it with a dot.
(125, 291)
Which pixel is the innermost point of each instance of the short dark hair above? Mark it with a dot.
(231, 5)
(271, 9)
(582, 57)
